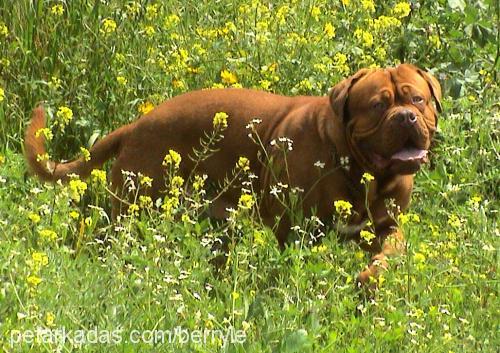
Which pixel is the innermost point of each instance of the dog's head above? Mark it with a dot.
(389, 117)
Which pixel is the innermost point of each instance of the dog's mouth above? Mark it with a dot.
(409, 158)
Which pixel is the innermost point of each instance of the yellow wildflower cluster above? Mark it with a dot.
(122, 81)
(34, 217)
(2, 94)
(152, 11)
(145, 107)
(367, 178)
(46, 132)
(199, 182)
(243, 164)
(133, 8)
(329, 30)
(64, 116)
(145, 201)
(171, 21)
(365, 37)
(85, 154)
(172, 158)
(340, 63)
(343, 208)
(368, 5)
(77, 188)
(57, 10)
(108, 26)
(228, 77)
(38, 260)
(47, 234)
(383, 23)
(98, 176)
(4, 31)
(144, 180)
(220, 120)
(246, 201)
(367, 236)
(401, 9)
(133, 209)
(404, 218)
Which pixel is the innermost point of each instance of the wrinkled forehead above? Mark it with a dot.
(395, 80)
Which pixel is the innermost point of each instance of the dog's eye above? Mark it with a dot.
(379, 106)
(417, 100)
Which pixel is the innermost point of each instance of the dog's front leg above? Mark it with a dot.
(393, 244)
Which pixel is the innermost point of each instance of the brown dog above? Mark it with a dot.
(380, 120)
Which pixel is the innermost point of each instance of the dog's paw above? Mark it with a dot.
(367, 279)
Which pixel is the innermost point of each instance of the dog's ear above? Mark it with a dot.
(339, 93)
(434, 86)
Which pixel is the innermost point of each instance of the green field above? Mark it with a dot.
(100, 64)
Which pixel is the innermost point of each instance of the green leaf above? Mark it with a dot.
(297, 341)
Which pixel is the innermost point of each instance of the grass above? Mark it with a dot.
(65, 265)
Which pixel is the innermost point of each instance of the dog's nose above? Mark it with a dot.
(407, 117)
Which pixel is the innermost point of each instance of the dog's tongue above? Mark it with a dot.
(409, 154)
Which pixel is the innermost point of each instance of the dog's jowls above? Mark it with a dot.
(380, 120)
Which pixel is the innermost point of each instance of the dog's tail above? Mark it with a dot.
(36, 155)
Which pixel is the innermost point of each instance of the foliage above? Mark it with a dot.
(99, 64)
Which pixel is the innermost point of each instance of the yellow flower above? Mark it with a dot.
(419, 257)
(48, 234)
(172, 157)
(265, 84)
(343, 208)
(228, 77)
(33, 280)
(121, 80)
(329, 30)
(235, 295)
(179, 84)
(74, 214)
(85, 154)
(244, 164)
(367, 236)
(199, 182)
(42, 157)
(34, 217)
(88, 221)
(98, 175)
(185, 218)
(368, 5)
(145, 107)
(149, 31)
(133, 8)
(2, 94)
(77, 188)
(319, 249)
(258, 237)
(246, 201)
(151, 11)
(46, 132)
(367, 178)
(145, 180)
(57, 10)
(315, 12)
(220, 120)
(108, 26)
(385, 22)
(345, 2)
(177, 182)
(145, 201)
(49, 318)
(454, 221)
(64, 116)
(2, 159)
(365, 37)
(435, 41)
(40, 259)
(402, 9)
(171, 21)
(4, 31)
(133, 209)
